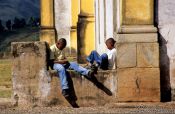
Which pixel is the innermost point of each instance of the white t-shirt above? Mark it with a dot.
(56, 54)
(111, 58)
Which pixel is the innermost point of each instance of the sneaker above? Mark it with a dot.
(66, 92)
(90, 74)
(69, 98)
(94, 68)
(74, 104)
(73, 95)
(96, 64)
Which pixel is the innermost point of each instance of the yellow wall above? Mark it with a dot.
(87, 12)
(47, 13)
(75, 7)
(87, 7)
(73, 38)
(137, 12)
(89, 38)
(47, 32)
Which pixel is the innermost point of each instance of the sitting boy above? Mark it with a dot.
(107, 60)
(61, 64)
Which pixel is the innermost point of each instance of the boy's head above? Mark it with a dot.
(61, 43)
(110, 43)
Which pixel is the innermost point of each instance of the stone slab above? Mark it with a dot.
(29, 73)
(147, 55)
(126, 55)
(138, 84)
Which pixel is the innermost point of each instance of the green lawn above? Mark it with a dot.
(5, 78)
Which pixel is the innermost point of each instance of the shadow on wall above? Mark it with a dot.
(164, 61)
(164, 71)
(81, 26)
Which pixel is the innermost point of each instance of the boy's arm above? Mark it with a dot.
(64, 61)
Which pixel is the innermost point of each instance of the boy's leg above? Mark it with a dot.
(71, 87)
(66, 82)
(104, 61)
(63, 76)
(83, 71)
(94, 56)
(78, 68)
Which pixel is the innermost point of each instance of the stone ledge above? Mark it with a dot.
(138, 29)
(132, 38)
(53, 72)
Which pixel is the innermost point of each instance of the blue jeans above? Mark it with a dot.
(102, 60)
(63, 74)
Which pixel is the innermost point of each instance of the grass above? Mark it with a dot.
(5, 77)
(5, 93)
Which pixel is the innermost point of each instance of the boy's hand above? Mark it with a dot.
(62, 61)
(65, 61)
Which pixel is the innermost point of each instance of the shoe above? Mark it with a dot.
(66, 92)
(94, 68)
(69, 98)
(73, 96)
(74, 104)
(90, 74)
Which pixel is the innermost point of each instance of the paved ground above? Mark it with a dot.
(118, 108)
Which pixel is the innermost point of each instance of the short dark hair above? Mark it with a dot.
(63, 41)
(111, 40)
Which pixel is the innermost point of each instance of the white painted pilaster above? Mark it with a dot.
(63, 19)
(100, 23)
(109, 18)
(104, 23)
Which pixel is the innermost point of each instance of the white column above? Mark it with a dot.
(63, 19)
(109, 18)
(104, 23)
(97, 32)
(100, 23)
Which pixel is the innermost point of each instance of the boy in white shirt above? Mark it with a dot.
(106, 61)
